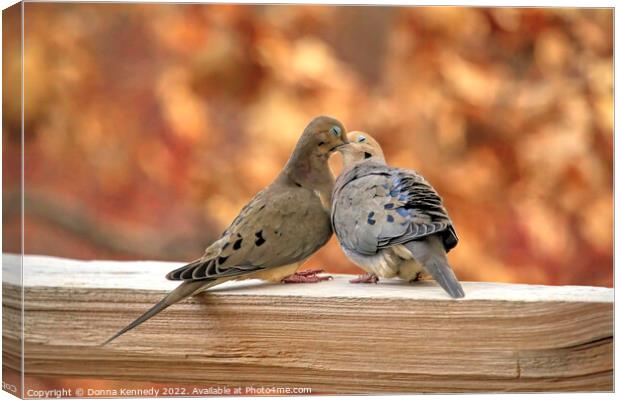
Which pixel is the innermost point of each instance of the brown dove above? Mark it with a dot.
(390, 221)
(276, 231)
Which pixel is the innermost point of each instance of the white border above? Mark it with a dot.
(540, 3)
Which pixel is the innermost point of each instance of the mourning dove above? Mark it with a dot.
(390, 221)
(276, 231)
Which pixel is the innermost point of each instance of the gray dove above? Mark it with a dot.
(276, 231)
(390, 221)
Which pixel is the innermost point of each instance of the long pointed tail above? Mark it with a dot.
(431, 254)
(443, 274)
(183, 291)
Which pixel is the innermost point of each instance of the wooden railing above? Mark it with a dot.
(332, 337)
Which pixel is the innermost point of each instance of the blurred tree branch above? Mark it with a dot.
(163, 244)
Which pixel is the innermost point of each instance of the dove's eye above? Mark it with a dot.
(361, 139)
(336, 131)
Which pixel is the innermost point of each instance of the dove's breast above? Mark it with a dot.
(318, 218)
(305, 223)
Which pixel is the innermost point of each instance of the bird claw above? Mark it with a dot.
(307, 276)
(366, 278)
(418, 277)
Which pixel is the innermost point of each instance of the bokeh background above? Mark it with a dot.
(148, 127)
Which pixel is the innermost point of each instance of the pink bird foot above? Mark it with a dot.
(366, 278)
(307, 276)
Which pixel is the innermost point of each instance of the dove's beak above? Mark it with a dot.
(342, 147)
(345, 142)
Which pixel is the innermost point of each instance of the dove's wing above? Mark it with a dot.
(378, 206)
(278, 227)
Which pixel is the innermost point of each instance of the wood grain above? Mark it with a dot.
(334, 337)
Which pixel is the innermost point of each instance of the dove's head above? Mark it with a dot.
(361, 147)
(308, 165)
(323, 136)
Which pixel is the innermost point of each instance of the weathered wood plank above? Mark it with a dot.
(333, 337)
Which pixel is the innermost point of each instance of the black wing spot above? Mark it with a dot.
(259, 239)
(367, 155)
(390, 218)
(237, 244)
(221, 260)
(388, 206)
(370, 220)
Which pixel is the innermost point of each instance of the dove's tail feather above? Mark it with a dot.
(443, 274)
(432, 255)
(183, 291)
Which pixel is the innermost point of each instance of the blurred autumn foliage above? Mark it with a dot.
(147, 127)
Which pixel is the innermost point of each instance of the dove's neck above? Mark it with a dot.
(349, 162)
(310, 171)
